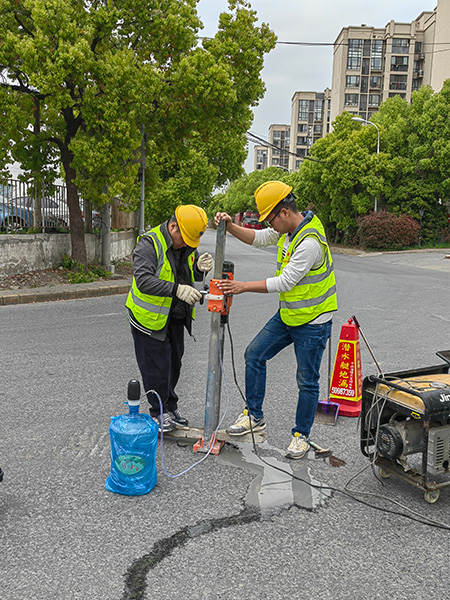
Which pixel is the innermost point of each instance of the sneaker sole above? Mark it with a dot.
(254, 429)
(296, 456)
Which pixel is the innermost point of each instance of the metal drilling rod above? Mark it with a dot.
(214, 381)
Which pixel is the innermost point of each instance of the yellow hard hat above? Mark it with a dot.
(192, 221)
(268, 195)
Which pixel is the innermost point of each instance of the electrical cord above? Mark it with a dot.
(213, 439)
(423, 519)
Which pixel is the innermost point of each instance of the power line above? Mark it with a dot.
(337, 45)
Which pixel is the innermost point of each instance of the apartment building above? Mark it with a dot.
(372, 64)
(440, 63)
(261, 157)
(276, 153)
(310, 120)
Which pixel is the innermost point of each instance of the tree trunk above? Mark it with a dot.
(73, 202)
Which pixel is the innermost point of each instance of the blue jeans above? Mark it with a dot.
(309, 344)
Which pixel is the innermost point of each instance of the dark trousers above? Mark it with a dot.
(160, 364)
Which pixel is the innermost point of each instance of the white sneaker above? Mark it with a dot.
(242, 425)
(298, 447)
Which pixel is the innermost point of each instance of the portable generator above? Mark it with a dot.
(405, 425)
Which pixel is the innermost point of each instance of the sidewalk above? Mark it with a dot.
(423, 258)
(69, 291)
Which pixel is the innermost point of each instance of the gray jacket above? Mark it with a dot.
(144, 272)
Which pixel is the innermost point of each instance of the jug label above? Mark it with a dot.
(128, 464)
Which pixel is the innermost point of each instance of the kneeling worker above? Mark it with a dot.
(306, 284)
(161, 303)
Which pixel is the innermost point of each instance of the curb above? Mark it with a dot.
(64, 292)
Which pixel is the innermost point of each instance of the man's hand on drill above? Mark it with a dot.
(205, 262)
(188, 294)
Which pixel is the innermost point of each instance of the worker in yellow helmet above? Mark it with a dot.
(161, 304)
(305, 282)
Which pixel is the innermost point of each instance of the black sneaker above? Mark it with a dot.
(167, 423)
(177, 418)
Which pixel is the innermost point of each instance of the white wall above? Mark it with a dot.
(33, 252)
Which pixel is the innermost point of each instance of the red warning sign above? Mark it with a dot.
(346, 381)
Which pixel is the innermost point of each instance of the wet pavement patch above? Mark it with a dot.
(270, 492)
(136, 576)
(277, 485)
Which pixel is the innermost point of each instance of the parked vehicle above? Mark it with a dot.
(250, 220)
(18, 213)
(13, 217)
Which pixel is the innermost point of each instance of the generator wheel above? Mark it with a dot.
(431, 496)
(384, 474)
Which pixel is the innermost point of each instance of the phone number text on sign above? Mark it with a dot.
(342, 391)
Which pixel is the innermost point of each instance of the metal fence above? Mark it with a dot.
(24, 206)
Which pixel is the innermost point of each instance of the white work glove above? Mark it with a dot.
(188, 294)
(205, 262)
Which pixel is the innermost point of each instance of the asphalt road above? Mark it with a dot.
(231, 527)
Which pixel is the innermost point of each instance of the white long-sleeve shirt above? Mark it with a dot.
(308, 255)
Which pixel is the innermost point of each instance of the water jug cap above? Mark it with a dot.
(134, 395)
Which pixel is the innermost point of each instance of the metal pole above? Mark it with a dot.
(143, 166)
(106, 236)
(214, 381)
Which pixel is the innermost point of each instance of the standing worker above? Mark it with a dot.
(306, 284)
(161, 303)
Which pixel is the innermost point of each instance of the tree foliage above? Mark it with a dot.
(409, 174)
(80, 78)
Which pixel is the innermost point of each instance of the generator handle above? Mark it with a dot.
(391, 384)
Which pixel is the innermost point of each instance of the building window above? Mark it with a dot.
(399, 63)
(302, 140)
(398, 82)
(377, 55)
(394, 95)
(354, 54)
(302, 128)
(374, 100)
(318, 129)
(400, 46)
(351, 99)
(352, 81)
(364, 85)
(363, 102)
(260, 155)
(318, 107)
(297, 164)
(418, 47)
(303, 106)
(375, 82)
(366, 49)
(301, 151)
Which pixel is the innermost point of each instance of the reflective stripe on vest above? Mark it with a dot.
(315, 293)
(149, 310)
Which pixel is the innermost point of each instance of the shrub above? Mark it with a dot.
(386, 230)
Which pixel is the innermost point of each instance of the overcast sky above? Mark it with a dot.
(288, 69)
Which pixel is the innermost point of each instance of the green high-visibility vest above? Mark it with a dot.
(153, 311)
(315, 293)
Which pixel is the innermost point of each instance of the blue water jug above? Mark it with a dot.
(134, 440)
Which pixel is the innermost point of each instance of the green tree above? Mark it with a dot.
(100, 69)
(240, 196)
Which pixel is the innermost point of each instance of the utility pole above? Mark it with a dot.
(143, 167)
(214, 381)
